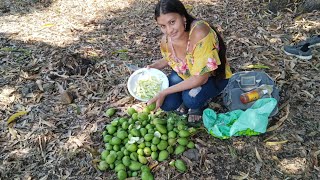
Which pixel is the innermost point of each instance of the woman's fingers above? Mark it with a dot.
(158, 104)
(151, 101)
(160, 100)
(156, 100)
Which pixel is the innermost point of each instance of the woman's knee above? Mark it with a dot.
(222, 84)
(166, 106)
(192, 99)
(197, 97)
(172, 102)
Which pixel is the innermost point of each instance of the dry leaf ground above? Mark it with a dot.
(81, 47)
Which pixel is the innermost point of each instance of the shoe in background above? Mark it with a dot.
(312, 41)
(299, 51)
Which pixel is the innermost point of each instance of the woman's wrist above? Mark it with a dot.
(164, 92)
(153, 65)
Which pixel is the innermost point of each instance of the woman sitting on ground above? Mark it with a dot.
(197, 55)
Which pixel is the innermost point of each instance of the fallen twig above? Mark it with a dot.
(279, 123)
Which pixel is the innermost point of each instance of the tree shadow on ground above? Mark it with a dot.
(100, 55)
(23, 7)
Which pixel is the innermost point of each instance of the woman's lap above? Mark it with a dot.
(194, 98)
(172, 101)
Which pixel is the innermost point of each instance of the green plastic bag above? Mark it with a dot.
(252, 121)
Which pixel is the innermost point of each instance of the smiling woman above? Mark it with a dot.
(197, 55)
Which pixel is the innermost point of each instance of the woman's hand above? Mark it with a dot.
(159, 64)
(158, 99)
(149, 66)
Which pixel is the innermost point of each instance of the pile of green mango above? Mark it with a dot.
(134, 140)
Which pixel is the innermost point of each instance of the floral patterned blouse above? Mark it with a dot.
(202, 59)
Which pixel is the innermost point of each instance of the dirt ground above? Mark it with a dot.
(65, 62)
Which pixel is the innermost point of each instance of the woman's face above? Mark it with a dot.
(172, 24)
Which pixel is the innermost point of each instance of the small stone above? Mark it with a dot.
(66, 97)
(47, 87)
(25, 91)
(192, 154)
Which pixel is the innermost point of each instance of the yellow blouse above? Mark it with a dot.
(202, 59)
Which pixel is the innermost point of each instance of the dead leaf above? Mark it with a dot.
(47, 123)
(315, 158)
(232, 152)
(13, 133)
(279, 123)
(65, 96)
(258, 155)
(47, 25)
(93, 151)
(39, 83)
(241, 177)
(201, 142)
(189, 7)
(308, 94)
(44, 177)
(276, 158)
(121, 102)
(276, 143)
(15, 116)
(316, 153)
(292, 64)
(270, 137)
(94, 127)
(152, 163)
(77, 108)
(256, 66)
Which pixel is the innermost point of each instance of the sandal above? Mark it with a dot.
(196, 112)
(182, 110)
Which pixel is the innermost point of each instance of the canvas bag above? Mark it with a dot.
(245, 81)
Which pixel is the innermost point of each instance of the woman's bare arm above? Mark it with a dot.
(159, 64)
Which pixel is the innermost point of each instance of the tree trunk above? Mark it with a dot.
(309, 6)
(278, 5)
(304, 5)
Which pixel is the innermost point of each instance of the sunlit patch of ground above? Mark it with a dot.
(293, 165)
(61, 23)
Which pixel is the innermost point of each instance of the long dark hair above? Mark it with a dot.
(176, 6)
(173, 6)
(222, 51)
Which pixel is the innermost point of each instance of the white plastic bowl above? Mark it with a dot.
(133, 79)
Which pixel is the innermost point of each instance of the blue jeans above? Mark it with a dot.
(194, 98)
